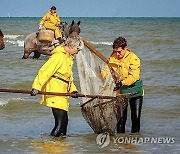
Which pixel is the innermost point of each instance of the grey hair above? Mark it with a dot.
(75, 41)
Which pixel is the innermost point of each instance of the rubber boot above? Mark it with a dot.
(122, 122)
(135, 126)
(136, 105)
(61, 122)
(121, 126)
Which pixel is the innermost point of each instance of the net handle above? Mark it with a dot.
(55, 93)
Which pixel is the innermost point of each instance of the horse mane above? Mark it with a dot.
(1, 34)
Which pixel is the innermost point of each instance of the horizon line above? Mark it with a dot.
(94, 17)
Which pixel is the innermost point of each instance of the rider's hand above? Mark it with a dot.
(34, 92)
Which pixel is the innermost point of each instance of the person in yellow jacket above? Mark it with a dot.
(51, 20)
(56, 76)
(127, 65)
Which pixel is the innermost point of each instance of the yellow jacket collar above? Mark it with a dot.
(60, 49)
(54, 14)
(127, 53)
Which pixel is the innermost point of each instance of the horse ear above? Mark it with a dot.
(72, 22)
(78, 23)
(1, 33)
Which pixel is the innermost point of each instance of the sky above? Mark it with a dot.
(91, 8)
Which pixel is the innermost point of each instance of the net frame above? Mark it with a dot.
(102, 115)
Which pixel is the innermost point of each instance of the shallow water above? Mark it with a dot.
(25, 124)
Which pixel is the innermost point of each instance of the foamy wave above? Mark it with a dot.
(6, 101)
(102, 43)
(12, 36)
(17, 43)
(14, 99)
(3, 102)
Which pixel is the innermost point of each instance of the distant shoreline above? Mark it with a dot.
(92, 17)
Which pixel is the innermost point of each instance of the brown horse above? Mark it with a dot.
(2, 45)
(31, 43)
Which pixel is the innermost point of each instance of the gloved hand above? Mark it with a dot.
(117, 86)
(34, 92)
(75, 92)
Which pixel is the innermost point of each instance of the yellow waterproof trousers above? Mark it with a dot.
(56, 30)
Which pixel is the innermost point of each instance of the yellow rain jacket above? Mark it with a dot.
(128, 68)
(60, 65)
(50, 21)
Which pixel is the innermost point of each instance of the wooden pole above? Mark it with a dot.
(91, 48)
(56, 93)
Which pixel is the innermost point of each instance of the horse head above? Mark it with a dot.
(2, 45)
(72, 29)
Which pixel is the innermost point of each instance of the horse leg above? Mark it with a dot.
(36, 54)
(2, 45)
(27, 52)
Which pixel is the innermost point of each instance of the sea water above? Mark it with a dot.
(25, 124)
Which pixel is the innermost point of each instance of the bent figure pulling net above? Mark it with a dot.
(101, 114)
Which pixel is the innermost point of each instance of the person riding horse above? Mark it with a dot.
(2, 45)
(51, 20)
(31, 41)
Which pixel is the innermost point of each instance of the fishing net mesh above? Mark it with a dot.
(101, 114)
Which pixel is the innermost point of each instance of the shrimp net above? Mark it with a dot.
(101, 114)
